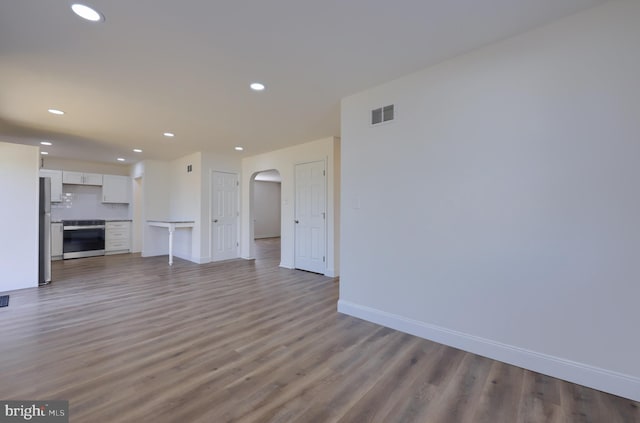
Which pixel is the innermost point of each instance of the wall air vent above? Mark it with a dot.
(382, 115)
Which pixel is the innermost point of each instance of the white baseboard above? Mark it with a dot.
(153, 253)
(287, 264)
(192, 259)
(331, 273)
(181, 255)
(198, 260)
(583, 374)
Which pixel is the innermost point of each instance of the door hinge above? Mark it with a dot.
(237, 244)
(324, 173)
(323, 259)
(237, 183)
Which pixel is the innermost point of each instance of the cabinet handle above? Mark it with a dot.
(104, 198)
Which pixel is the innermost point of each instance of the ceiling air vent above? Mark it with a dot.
(382, 115)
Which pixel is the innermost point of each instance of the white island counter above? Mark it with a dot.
(171, 225)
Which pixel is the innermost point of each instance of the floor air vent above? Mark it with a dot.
(382, 115)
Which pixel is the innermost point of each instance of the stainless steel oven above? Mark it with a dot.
(82, 238)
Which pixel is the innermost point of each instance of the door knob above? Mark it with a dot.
(297, 221)
(215, 220)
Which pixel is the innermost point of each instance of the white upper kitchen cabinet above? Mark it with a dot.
(76, 178)
(92, 179)
(116, 189)
(56, 183)
(80, 178)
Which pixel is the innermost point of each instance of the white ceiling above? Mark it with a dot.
(185, 66)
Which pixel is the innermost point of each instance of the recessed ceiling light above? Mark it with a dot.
(44, 153)
(55, 112)
(45, 143)
(120, 159)
(137, 150)
(238, 148)
(85, 12)
(256, 86)
(169, 134)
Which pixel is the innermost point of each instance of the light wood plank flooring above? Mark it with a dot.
(130, 339)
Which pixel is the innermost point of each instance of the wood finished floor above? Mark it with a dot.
(130, 339)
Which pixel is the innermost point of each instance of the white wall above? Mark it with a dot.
(185, 197)
(156, 183)
(138, 215)
(337, 201)
(57, 163)
(266, 209)
(19, 216)
(284, 162)
(499, 212)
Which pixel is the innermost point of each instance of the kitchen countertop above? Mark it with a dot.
(170, 221)
(106, 220)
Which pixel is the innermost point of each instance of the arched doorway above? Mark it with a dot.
(266, 214)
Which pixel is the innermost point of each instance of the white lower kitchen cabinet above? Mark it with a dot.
(117, 237)
(56, 241)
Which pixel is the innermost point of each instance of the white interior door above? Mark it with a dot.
(224, 216)
(310, 217)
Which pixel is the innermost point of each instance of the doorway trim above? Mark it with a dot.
(252, 233)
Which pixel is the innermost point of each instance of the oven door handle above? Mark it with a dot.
(79, 228)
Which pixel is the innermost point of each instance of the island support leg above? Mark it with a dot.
(171, 229)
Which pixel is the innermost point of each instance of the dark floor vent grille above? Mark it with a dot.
(4, 300)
